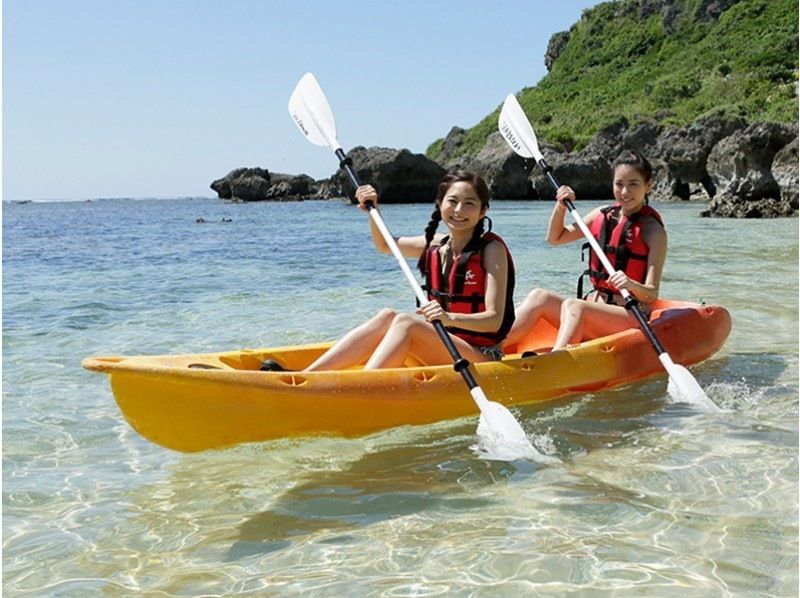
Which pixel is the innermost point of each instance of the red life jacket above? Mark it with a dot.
(620, 237)
(461, 287)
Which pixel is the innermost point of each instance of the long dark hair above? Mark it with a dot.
(457, 176)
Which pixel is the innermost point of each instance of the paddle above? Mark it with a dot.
(311, 112)
(518, 133)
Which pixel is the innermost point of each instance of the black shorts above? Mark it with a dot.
(495, 353)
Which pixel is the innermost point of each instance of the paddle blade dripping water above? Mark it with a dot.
(500, 435)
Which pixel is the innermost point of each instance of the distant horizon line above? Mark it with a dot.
(118, 198)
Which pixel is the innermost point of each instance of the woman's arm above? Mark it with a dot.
(496, 264)
(409, 246)
(559, 233)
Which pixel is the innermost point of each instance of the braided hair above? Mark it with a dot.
(457, 176)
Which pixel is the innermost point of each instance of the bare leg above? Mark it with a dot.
(583, 320)
(355, 346)
(540, 303)
(409, 334)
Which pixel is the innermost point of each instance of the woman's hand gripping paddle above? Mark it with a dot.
(501, 432)
(518, 133)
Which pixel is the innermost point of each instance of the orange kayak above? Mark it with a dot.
(195, 402)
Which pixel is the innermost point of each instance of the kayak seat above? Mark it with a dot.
(271, 365)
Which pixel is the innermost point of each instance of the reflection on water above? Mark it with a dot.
(385, 484)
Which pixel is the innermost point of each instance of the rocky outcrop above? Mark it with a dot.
(243, 184)
(741, 167)
(685, 150)
(555, 46)
(784, 169)
(740, 170)
(586, 170)
(745, 171)
(258, 184)
(710, 10)
(506, 174)
(671, 12)
(398, 175)
(451, 154)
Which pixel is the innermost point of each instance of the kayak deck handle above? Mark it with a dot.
(293, 380)
(424, 376)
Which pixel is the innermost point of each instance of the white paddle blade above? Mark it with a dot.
(312, 114)
(683, 387)
(516, 129)
(501, 435)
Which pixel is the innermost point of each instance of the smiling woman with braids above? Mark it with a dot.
(470, 281)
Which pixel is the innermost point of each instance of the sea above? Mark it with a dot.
(650, 497)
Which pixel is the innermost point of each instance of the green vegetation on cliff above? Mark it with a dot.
(664, 60)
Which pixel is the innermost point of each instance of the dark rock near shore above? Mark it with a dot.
(258, 184)
(290, 187)
(398, 175)
(685, 150)
(243, 184)
(586, 172)
(506, 174)
(745, 171)
(741, 167)
(784, 169)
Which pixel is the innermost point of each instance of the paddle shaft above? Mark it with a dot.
(460, 364)
(630, 301)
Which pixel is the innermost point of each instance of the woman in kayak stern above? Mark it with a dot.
(633, 238)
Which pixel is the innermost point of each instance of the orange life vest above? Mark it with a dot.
(460, 287)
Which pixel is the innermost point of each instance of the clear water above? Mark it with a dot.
(652, 498)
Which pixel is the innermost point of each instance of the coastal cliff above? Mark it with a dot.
(707, 89)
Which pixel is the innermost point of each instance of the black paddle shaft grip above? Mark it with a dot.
(548, 172)
(460, 364)
(346, 164)
(632, 305)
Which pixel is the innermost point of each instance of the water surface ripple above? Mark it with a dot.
(652, 498)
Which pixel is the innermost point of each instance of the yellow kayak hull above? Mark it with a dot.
(195, 402)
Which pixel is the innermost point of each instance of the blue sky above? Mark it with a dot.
(156, 98)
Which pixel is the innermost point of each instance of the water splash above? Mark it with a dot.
(497, 447)
(736, 395)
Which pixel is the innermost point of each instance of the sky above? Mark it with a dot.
(157, 98)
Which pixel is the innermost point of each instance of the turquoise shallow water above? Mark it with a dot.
(652, 499)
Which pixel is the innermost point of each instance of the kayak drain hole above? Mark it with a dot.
(424, 376)
(293, 380)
